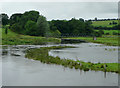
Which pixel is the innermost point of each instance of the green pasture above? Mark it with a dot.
(12, 38)
(104, 23)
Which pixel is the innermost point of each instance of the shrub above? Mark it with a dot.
(98, 34)
(107, 33)
(55, 33)
(115, 33)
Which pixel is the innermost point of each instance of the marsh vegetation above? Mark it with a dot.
(42, 55)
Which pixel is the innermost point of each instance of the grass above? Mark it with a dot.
(16, 39)
(42, 55)
(103, 23)
(111, 41)
(109, 31)
(13, 38)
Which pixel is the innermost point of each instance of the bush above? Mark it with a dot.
(107, 33)
(115, 33)
(98, 34)
(101, 31)
(55, 33)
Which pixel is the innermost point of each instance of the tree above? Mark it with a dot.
(22, 19)
(101, 31)
(5, 19)
(115, 33)
(31, 28)
(15, 18)
(16, 28)
(30, 15)
(107, 33)
(88, 28)
(52, 26)
(6, 29)
(81, 19)
(77, 27)
(61, 25)
(110, 23)
(98, 34)
(96, 19)
(42, 26)
(56, 33)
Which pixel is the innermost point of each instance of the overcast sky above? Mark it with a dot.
(64, 10)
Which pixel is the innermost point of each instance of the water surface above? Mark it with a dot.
(21, 71)
(88, 52)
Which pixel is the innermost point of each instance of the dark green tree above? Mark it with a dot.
(42, 26)
(5, 19)
(15, 18)
(16, 28)
(101, 31)
(19, 20)
(55, 33)
(88, 28)
(31, 28)
(6, 30)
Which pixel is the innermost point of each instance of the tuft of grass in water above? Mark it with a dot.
(114, 49)
(42, 55)
(105, 48)
(4, 52)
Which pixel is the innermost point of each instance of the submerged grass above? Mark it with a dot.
(42, 55)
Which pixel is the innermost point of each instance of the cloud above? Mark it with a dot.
(65, 10)
(59, 0)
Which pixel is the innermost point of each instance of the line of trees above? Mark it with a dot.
(73, 27)
(96, 19)
(34, 24)
(107, 28)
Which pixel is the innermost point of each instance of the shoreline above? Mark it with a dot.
(41, 54)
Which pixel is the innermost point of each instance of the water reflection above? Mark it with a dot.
(105, 74)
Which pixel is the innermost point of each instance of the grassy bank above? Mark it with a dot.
(111, 41)
(42, 55)
(16, 39)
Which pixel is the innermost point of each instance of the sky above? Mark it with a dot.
(64, 10)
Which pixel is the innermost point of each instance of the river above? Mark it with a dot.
(20, 71)
(88, 52)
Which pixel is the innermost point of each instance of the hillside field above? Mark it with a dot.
(109, 31)
(104, 23)
(13, 38)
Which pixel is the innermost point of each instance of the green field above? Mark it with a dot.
(110, 40)
(16, 39)
(109, 31)
(103, 23)
(42, 55)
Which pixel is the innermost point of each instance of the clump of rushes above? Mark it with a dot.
(42, 55)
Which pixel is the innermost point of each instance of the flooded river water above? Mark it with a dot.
(20, 71)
